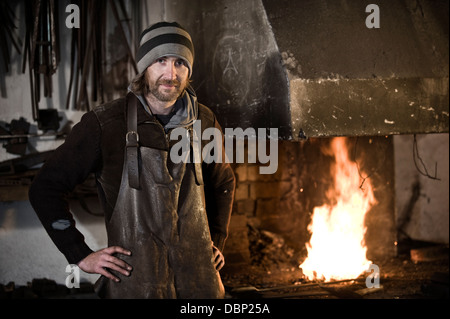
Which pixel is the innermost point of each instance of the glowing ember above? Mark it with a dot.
(336, 249)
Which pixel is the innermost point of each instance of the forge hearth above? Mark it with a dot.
(269, 226)
(282, 203)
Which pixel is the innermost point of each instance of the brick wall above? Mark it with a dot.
(271, 202)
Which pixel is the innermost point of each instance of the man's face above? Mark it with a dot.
(167, 78)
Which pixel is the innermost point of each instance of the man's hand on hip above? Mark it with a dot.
(99, 261)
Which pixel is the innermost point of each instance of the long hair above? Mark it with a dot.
(139, 84)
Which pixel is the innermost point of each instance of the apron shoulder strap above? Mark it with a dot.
(132, 142)
(195, 149)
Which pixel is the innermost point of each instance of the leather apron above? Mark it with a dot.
(160, 217)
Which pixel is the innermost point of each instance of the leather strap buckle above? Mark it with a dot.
(134, 140)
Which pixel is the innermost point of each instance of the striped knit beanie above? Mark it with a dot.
(164, 39)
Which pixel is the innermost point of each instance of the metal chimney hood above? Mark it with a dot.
(313, 68)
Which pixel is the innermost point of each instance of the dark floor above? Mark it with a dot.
(400, 278)
(422, 276)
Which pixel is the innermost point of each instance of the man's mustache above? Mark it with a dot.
(175, 83)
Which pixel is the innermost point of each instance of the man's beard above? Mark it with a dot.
(163, 96)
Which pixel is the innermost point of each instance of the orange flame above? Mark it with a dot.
(336, 249)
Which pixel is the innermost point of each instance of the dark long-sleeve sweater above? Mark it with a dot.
(97, 147)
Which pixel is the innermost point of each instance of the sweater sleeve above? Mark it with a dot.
(69, 165)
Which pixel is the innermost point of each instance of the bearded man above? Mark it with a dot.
(166, 221)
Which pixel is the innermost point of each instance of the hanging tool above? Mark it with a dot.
(89, 51)
(42, 53)
(7, 27)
